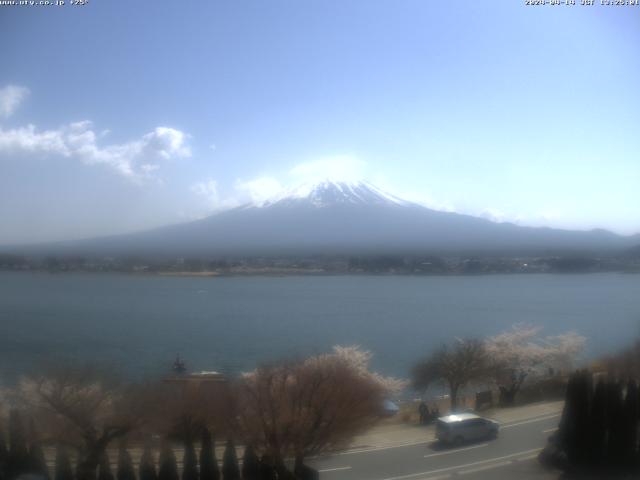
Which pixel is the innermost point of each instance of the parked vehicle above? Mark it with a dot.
(465, 427)
(389, 408)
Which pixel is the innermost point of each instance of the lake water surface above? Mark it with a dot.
(232, 323)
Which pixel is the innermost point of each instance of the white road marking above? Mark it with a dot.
(427, 440)
(528, 457)
(448, 452)
(454, 467)
(549, 430)
(548, 417)
(388, 447)
(439, 477)
(337, 469)
(486, 467)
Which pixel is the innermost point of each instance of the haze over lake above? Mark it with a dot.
(233, 323)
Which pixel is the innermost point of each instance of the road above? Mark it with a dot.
(513, 455)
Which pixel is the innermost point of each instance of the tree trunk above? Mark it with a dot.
(507, 395)
(453, 393)
(88, 464)
(282, 471)
(303, 472)
(90, 457)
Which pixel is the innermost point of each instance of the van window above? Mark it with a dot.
(442, 426)
(475, 422)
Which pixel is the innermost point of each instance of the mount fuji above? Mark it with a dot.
(345, 218)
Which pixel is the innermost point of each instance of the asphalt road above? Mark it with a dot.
(513, 455)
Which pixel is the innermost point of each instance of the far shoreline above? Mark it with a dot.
(255, 273)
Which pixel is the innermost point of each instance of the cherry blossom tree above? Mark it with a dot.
(311, 406)
(81, 407)
(522, 353)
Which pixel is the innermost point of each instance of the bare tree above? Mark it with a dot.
(311, 406)
(457, 365)
(183, 409)
(521, 353)
(83, 408)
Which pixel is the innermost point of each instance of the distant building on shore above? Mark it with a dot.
(194, 380)
(203, 377)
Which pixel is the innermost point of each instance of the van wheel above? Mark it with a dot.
(458, 441)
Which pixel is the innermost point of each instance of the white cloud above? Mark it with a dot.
(167, 142)
(11, 97)
(209, 190)
(550, 214)
(27, 139)
(259, 189)
(422, 197)
(345, 168)
(493, 214)
(549, 217)
(135, 159)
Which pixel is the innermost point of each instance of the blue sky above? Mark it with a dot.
(118, 116)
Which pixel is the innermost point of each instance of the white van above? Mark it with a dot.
(464, 427)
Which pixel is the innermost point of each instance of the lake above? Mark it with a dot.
(231, 324)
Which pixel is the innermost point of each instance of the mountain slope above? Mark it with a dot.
(345, 218)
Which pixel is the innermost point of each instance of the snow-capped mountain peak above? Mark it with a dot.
(329, 193)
